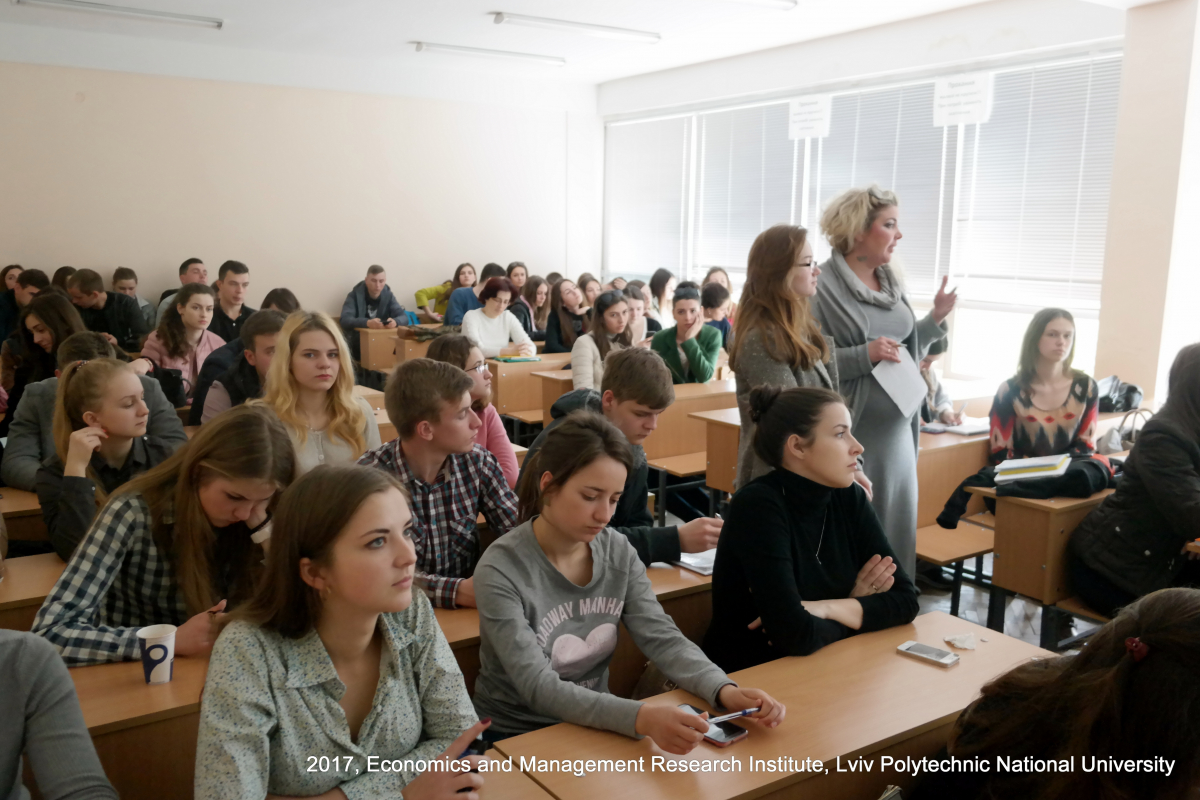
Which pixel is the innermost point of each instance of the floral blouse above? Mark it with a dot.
(1019, 429)
(270, 721)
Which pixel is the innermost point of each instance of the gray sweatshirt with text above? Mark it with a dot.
(545, 643)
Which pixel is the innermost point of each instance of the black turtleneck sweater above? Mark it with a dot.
(767, 563)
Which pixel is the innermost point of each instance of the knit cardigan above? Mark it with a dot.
(587, 368)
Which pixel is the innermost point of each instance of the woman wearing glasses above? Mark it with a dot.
(861, 302)
(463, 353)
(492, 328)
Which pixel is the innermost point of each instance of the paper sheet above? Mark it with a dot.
(698, 562)
(902, 381)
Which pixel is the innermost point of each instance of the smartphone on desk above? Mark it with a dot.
(934, 655)
(722, 734)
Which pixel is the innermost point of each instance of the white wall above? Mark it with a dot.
(950, 38)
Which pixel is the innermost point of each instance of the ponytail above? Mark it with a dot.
(570, 446)
(81, 388)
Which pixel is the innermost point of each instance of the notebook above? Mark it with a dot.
(701, 563)
(1017, 469)
(510, 359)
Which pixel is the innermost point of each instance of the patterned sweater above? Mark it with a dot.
(1021, 430)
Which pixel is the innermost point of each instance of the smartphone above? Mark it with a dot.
(943, 658)
(722, 734)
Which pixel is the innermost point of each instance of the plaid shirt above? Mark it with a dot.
(445, 513)
(116, 582)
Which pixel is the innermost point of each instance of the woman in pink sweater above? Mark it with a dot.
(460, 351)
(183, 339)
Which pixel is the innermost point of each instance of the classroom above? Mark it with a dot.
(707, 398)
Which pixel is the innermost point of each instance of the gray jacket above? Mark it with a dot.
(757, 367)
(841, 315)
(31, 435)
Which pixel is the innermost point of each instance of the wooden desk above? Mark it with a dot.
(684, 595)
(722, 436)
(555, 383)
(513, 386)
(514, 785)
(856, 697)
(22, 514)
(1193, 547)
(373, 396)
(145, 735)
(678, 433)
(27, 581)
(944, 460)
(383, 348)
(387, 431)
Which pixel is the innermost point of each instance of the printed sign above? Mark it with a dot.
(808, 117)
(962, 99)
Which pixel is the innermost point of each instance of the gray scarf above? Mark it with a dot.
(889, 292)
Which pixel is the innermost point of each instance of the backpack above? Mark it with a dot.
(1118, 396)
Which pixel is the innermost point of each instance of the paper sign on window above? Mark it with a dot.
(808, 117)
(962, 99)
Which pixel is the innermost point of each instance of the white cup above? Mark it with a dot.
(158, 652)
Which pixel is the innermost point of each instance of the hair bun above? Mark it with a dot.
(761, 400)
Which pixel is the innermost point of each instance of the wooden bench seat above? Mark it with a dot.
(944, 547)
(984, 519)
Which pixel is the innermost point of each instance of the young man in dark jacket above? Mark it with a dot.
(636, 388)
(370, 304)
(114, 315)
(237, 372)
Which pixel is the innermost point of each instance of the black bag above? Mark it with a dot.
(1118, 396)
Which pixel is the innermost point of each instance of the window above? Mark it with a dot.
(1013, 210)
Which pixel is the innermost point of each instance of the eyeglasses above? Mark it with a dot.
(481, 368)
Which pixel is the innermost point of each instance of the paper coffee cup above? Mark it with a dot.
(158, 652)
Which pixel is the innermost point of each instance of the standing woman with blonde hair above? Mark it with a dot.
(861, 303)
(173, 546)
(310, 387)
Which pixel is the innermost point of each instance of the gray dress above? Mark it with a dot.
(855, 316)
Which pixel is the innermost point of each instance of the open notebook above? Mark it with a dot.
(701, 563)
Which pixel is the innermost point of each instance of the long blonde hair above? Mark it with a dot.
(243, 443)
(346, 418)
(81, 388)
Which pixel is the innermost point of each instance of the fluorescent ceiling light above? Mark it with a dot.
(479, 51)
(125, 11)
(603, 31)
(784, 5)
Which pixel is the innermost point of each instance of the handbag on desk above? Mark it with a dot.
(1123, 436)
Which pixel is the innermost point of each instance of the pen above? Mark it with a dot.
(744, 713)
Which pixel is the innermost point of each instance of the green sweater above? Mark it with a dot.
(701, 352)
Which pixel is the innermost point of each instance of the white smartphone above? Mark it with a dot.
(943, 658)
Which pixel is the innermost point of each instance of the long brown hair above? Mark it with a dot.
(81, 388)
(243, 443)
(452, 284)
(171, 330)
(56, 311)
(1027, 364)
(624, 339)
(570, 446)
(311, 515)
(770, 309)
(529, 291)
(566, 322)
(1114, 699)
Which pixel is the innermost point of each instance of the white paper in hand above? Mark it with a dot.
(902, 381)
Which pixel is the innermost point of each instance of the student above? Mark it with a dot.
(243, 379)
(553, 278)
(803, 551)
(100, 442)
(335, 653)
(60, 277)
(609, 332)
(190, 271)
(1047, 408)
(435, 299)
(567, 320)
(1129, 695)
(590, 286)
(862, 303)
(451, 479)
(112, 314)
(463, 353)
(719, 276)
(43, 723)
(662, 289)
(27, 284)
(233, 280)
(517, 274)
(635, 390)
(465, 299)
(125, 281)
(8, 277)
(28, 354)
(937, 406)
(563, 557)
(644, 327)
(715, 304)
(491, 328)
(184, 339)
(536, 297)
(690, 348)
(310, 387)
(370, 304)
(282, 300)
(31, 437)
(147, 560)
(1133, 542)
